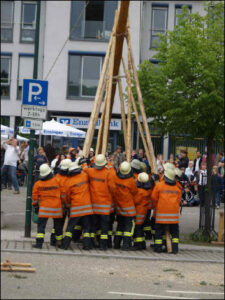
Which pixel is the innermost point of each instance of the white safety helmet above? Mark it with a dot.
(65, 164)
(92, 150)
(136, 164)
(100, 160)
(143, 166)
(125, 168)
(143, 177)
(169, 171)
(178, 172)
(73, 166)
(45, 170)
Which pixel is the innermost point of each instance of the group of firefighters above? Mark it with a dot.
(93, 194)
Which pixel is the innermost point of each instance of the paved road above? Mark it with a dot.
(66, 277)
(14, 207)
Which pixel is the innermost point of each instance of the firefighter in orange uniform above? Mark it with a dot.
(110, 167)
(100, 183)
(142, 200)
(124, 193)
(166, 199)
(61, 177)
(78, 195)
(47, 202)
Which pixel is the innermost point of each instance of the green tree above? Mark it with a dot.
(184, 94)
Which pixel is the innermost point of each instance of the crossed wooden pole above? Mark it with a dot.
(110, 77)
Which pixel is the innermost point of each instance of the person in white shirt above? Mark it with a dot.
(10, 163)
(202, 182)
(189, 170)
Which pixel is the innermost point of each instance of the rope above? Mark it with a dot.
(75, 25)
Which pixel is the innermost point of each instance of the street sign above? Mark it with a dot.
(34, 112)
(35, 92)
(33, 124)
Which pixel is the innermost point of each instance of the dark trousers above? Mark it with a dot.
(86, 225)
(41, 225)
(147, 226)
(124, 231)
(100, 227)
(160, 232)
(53, 238)
(139, 237)
(77, 231)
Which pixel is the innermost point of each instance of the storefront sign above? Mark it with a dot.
(82, 122)
(191, 151)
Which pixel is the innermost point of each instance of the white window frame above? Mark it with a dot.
(9, 71)
(152, 21)
(82, 71)
(9, 27)
(18, 74)
(22, 19)
(176, 15)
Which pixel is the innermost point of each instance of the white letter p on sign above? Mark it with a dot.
(31, 92)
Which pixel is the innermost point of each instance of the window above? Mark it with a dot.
(25, 71)
(28, 22)
(159, 24)
(5, 120)
(95, 23)
(7, 21)
(5, 76)
(83, 75)
(178, 10)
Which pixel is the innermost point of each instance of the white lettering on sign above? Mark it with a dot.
(32, 92)
(82, 122)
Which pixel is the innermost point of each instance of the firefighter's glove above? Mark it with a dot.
(84, 160)
(36, 209)
(67, 211)
(155, 177)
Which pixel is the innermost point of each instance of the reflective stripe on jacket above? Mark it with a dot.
(124, 193)
(48, 193)
(142, 199)
(166, 199)
(78, 195)
(100, 182)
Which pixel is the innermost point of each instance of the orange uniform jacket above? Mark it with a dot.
(166, 200)
(142, 200)
(100, 183)
(124, 193)
(48, 192)
(111, 169)
(62, 180)
(78, 195)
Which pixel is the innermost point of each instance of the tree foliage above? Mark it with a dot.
(184, 93)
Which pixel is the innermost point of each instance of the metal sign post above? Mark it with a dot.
(27, 232)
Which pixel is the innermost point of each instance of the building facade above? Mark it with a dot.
(73, 41)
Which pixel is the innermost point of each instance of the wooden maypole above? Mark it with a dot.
(107, 83)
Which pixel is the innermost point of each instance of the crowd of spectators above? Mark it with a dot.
(14, 162)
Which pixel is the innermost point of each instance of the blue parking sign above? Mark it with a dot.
(35, 92)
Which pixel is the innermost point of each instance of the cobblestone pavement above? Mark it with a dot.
(186, 254)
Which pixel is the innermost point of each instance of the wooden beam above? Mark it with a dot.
(17, 269)
(152, 161)
(108, 98)
(129, 108)
(137, 119)
(97, 103)
(120, 34)
(123, 115)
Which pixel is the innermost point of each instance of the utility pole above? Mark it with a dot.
(32, 133)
